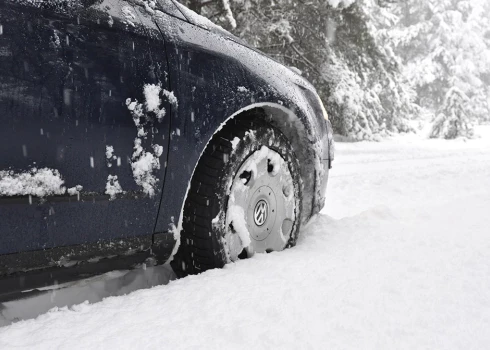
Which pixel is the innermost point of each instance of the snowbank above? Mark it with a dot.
(398, 260)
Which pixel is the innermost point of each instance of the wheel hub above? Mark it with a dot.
(263, 189)
(261, 213)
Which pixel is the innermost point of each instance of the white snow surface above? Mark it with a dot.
(198, 19)
(236, 215)
(152, 97)
(342, 3)
(113, 187)
(260, 155)
(234, 142)
(398, 259)
(129, 15)
(74, 191)
(109, 152)
(35, 182)
(144, 162)
(171, 97)
(228, 13)
(153, 100)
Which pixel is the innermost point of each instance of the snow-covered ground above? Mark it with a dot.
(399, 258)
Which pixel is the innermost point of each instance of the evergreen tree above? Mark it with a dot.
(452, 119)
(374, 62)
(335, 44)
(445, 47)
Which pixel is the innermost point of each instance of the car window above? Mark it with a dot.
(169, 7)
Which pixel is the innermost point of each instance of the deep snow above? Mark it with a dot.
(399, 258)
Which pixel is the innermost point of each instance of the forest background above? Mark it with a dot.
(381, 66)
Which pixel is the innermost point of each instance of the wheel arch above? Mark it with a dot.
(298, 132)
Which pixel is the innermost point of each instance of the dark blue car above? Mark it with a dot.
(135, 130)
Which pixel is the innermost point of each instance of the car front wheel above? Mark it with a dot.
(244, 198)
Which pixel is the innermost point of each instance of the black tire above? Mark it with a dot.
(201, 245)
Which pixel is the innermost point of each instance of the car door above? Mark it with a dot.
(83, 131)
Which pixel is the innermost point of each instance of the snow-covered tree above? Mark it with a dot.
(374, 62)
(361, 75)
(445, 47)
(452, 119)
(335, 45)
(217, 10)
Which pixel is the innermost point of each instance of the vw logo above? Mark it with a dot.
(260, 213)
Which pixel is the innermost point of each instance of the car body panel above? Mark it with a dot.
(213, 77)
(65, 79)
(221, 77)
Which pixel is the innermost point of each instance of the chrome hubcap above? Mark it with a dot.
(261, 206)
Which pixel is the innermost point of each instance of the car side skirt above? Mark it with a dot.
(28, 271)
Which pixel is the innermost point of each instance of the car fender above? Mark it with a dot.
(216, 79)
